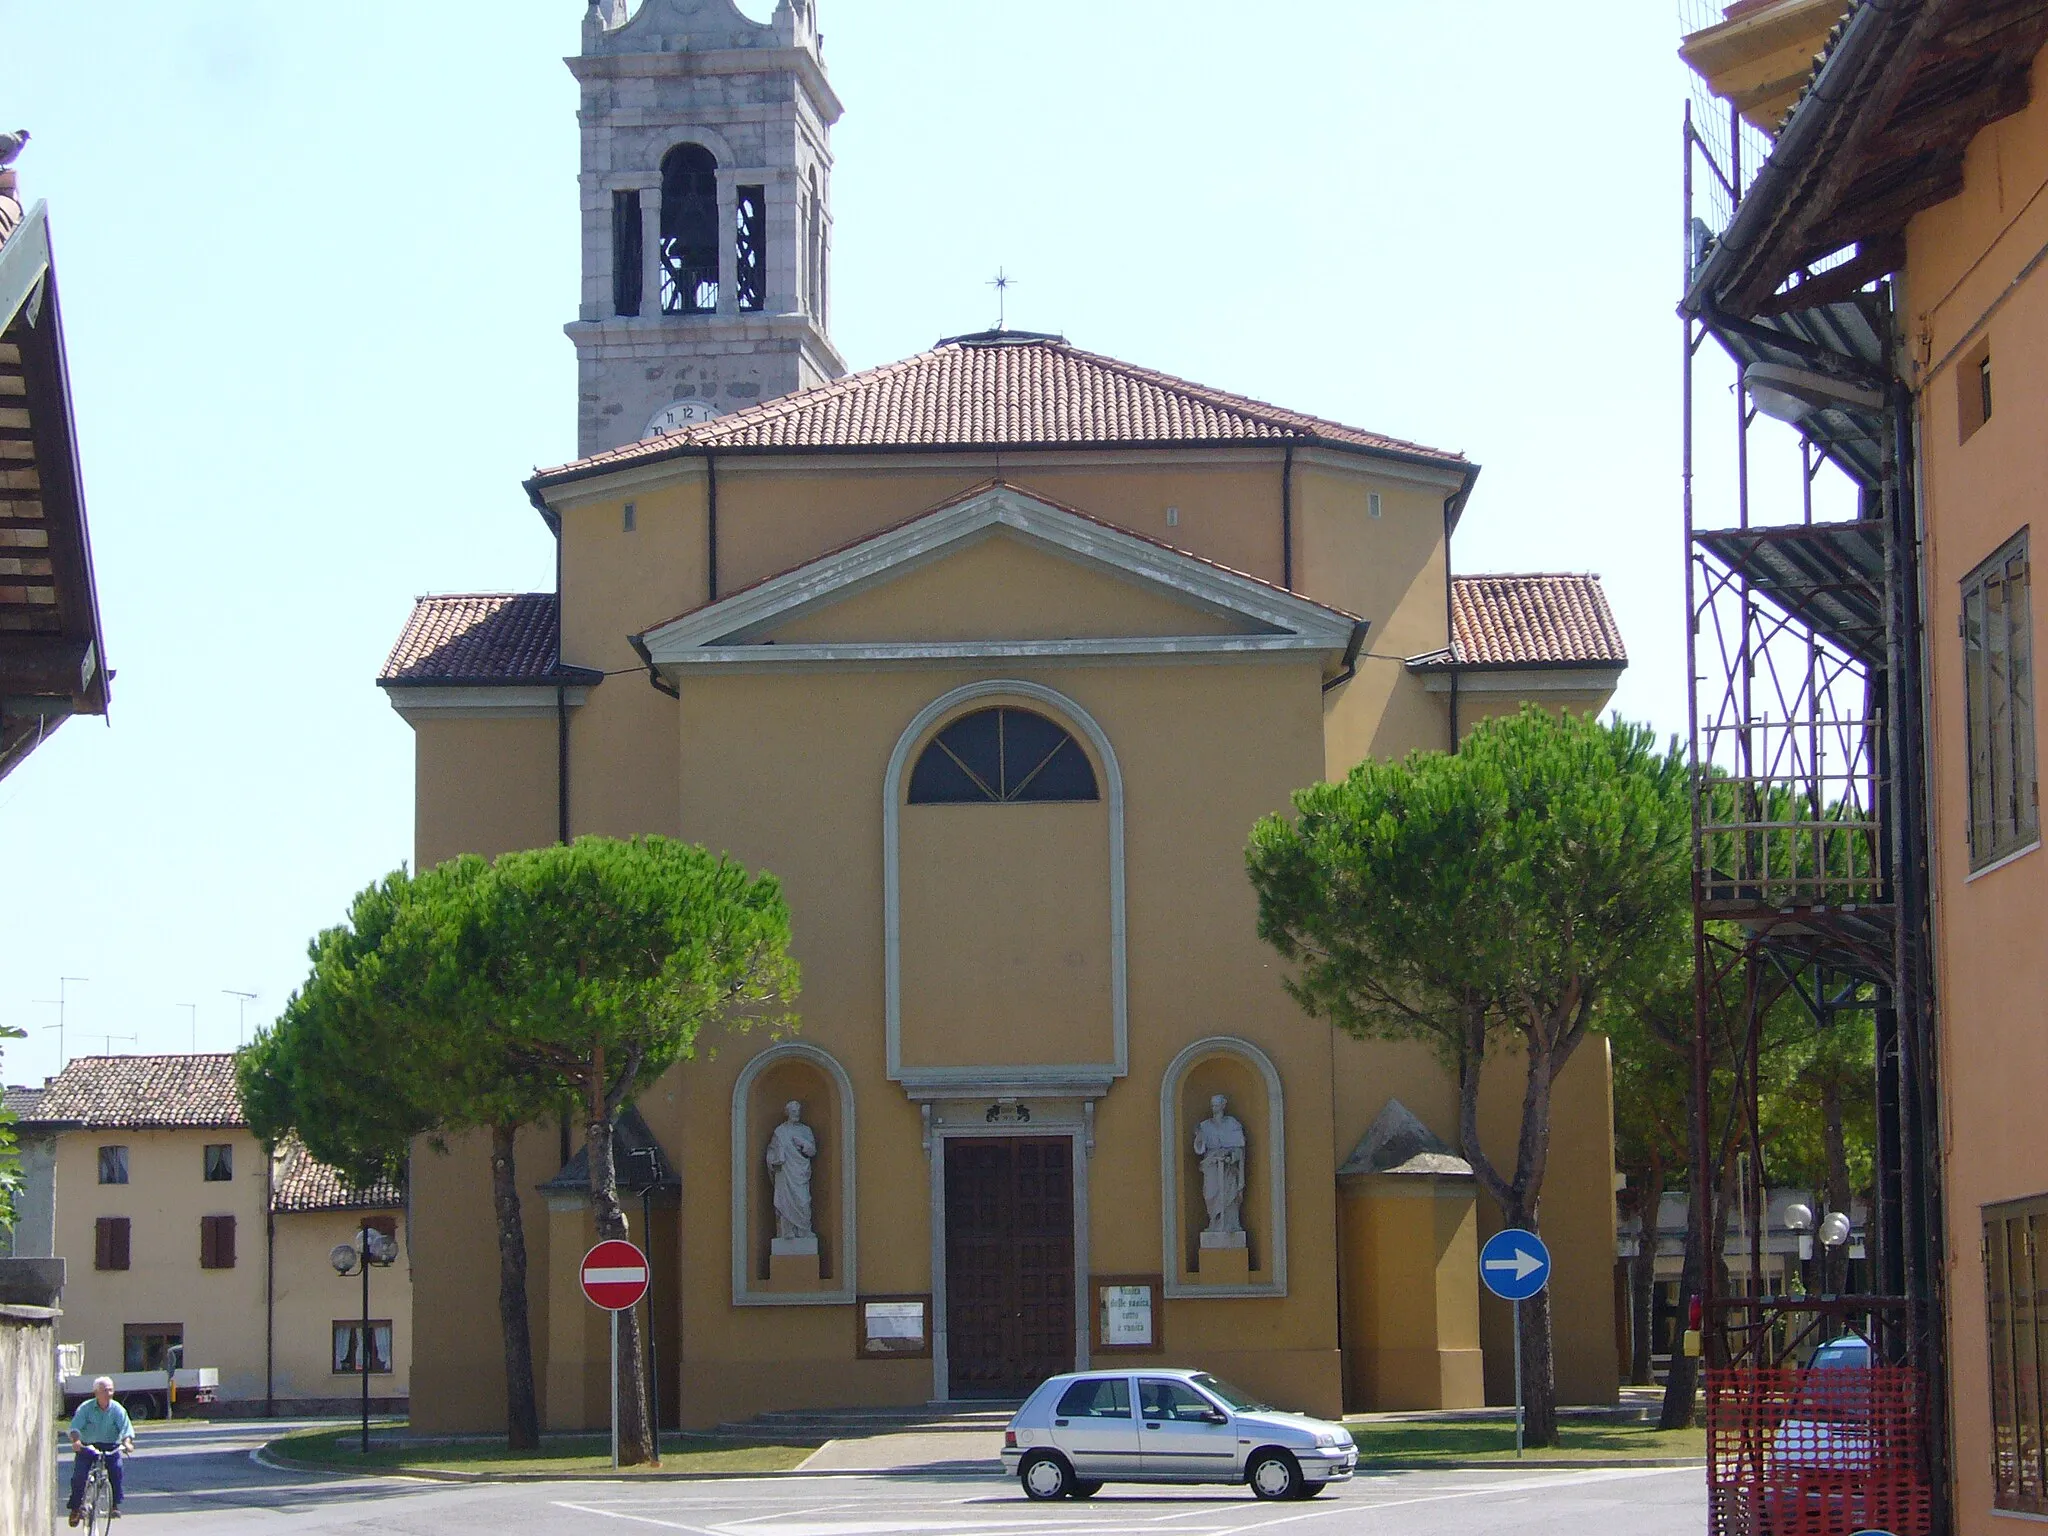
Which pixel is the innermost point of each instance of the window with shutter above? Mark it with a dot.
(220, 1163)
(216, 1242)
(113, 1165)
(110, 1243)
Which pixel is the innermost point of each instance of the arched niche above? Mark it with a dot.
(1247, 1077)
(804, 1072)
(1047, 1001)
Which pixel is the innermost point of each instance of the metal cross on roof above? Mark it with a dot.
(1002, 282)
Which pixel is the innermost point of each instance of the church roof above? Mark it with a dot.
(1001, 389)
(1537, 619)
(478, 638)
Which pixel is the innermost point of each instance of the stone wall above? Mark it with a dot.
(29, 1291)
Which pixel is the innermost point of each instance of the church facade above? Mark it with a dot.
(993, 656)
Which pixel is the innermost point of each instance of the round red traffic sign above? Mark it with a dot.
(615, 1275)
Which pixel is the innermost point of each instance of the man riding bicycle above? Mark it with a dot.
(101, 1425)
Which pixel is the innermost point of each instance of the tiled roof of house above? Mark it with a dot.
(304, 1183)
(1530, 620)
(476, 637)
(19, 1101)
(144, 1093)
(1002, 389)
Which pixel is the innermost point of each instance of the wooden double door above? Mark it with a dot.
(1009, 1263)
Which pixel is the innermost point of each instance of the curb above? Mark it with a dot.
(940, 1471)
(1536, 1464)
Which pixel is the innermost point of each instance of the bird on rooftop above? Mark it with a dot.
(10, 145)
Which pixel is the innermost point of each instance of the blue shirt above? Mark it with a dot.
(101, 1426)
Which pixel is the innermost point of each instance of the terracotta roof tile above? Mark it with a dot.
(1002, 389)
(145, 1093)
(20, 1101)
(1531, 620)
(304, 1183)
(475, 637)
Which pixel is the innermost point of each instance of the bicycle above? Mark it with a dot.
(98, 1505)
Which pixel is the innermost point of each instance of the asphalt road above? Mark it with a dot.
(202, 1478)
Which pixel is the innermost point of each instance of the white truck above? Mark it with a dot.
(148, 1394)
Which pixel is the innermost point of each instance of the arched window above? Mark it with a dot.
(690, 234)
(1002, 755)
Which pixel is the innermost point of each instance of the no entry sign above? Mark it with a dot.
(615, 1275)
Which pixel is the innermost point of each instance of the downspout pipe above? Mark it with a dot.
(710, 526)
(1351, 649)
(1452, 505)
(269, 1284)
(1287, 517)
(561, 709)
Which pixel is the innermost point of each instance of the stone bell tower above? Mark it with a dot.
(707, 214)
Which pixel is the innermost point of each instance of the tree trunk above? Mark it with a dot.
(1517, 1202)
(1539, 1360)
(1642, 1286)
(636, 1438)
(1682, 1384)
(522, 1412)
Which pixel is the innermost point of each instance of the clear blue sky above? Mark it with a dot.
(316, 260)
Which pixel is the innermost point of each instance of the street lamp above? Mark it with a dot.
(370, 1248)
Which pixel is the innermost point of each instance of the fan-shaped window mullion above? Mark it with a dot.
(1002, 756)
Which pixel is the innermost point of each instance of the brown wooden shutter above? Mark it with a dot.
(216, 1242)
(110, 1243)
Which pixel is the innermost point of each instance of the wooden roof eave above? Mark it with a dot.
(1879, 137)
(58, 670)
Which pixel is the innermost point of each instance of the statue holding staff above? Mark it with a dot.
(791, 1151)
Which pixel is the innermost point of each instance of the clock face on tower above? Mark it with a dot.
(678, 414)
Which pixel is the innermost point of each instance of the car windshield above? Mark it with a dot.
(1235, 1397)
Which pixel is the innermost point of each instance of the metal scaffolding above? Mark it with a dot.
(1807, 730)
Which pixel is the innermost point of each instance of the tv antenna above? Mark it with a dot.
(58, 1002)
(242, 1002)
(192, 1011)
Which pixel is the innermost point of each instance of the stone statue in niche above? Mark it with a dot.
(1220, 1147)
(792, 1149)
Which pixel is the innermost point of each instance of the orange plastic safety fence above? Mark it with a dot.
(1819, 1451)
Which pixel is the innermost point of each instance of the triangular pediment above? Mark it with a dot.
(999, 573)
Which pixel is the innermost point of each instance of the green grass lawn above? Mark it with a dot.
(1490, 1440)
(327, 1447)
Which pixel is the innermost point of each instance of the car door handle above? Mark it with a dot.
(1059, 1423)
(1151, 1424)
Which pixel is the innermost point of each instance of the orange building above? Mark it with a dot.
(993, 656)
(1905, 184)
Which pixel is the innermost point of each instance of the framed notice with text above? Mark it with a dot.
(1129, 1313)
(893, 1327)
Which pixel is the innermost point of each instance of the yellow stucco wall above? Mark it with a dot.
(1991, 967)
(1411, 1307)
(223, 1311)
(784, 769)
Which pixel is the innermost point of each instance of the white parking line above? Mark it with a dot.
(614, 1514)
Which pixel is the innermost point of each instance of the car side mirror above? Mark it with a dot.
(1216, 1416)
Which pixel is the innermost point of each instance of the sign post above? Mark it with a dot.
(1515, 1265)
(614, 1277)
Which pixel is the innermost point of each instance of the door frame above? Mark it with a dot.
(935, 1146)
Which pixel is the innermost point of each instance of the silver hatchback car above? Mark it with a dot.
(1079, 1431)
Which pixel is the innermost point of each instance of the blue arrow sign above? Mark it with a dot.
(1514, 1264)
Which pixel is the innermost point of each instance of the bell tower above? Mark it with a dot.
(707, 214)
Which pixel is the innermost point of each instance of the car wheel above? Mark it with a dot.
(1274, 1475)
(140, 1407)
(1045, 1476)
(1311, 1490)
(1084, 1488)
